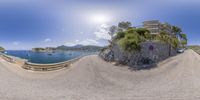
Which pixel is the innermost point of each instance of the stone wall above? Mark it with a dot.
(151, 52)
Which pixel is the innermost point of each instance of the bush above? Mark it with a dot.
(130, 42)
(131, 39)
(174, 42)
(120, 35)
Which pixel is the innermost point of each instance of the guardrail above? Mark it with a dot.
(7, 58)
(48, 67)
(13, 59)
(38, 67)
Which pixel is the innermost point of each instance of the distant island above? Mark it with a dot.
(65, 48)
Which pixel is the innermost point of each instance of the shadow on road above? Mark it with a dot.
(143, 67)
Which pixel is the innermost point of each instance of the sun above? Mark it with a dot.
(99, 18)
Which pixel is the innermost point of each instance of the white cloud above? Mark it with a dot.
(89, 42)
(84, 42)
(77, 41)
(47, 40)
(102, 33)
(16, 43)
(80, 32)
(70, 44)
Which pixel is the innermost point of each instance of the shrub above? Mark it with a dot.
(130, 42)
(174, 42)
(120, 35)
(131, 38)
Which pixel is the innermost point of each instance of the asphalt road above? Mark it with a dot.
(177, 78)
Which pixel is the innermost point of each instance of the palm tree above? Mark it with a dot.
(183, 39)
(176, 30)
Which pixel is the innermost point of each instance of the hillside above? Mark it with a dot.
(196, 48)
(63, 47)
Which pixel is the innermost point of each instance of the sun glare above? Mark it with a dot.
(99, 18)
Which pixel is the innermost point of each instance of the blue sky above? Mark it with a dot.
(25, 24)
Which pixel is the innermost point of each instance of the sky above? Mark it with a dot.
(25, 24)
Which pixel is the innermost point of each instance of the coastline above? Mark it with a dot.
(23, 63)
(92, 78)
(13, 59)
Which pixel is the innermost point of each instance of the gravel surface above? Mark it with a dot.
(90, 78)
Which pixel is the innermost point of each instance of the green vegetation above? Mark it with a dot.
(38, 49)
(65, 48)
(196, 48)
(183, 37)
(131, 38)
(2, 49)
(169, 39)
(130, 41)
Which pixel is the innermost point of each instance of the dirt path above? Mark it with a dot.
(91, 78)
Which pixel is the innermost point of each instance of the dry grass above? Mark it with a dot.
(196, 48)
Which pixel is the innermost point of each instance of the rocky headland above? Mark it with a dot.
(139, 47)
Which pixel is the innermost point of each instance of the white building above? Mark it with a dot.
(155, 27)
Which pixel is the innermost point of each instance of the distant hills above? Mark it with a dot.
(196, 48)
(65, 48)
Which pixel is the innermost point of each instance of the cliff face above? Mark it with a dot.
(150, 53)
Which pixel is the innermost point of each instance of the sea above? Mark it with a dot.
(49, 57)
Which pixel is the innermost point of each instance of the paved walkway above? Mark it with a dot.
(91, 78)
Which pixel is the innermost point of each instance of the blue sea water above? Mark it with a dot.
(45, 57)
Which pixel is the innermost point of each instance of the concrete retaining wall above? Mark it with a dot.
(37, 67)
(13, 59)
(48, 67)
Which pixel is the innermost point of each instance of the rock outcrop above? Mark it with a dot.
(150, 53)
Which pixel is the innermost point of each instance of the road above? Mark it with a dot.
(177, 78)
